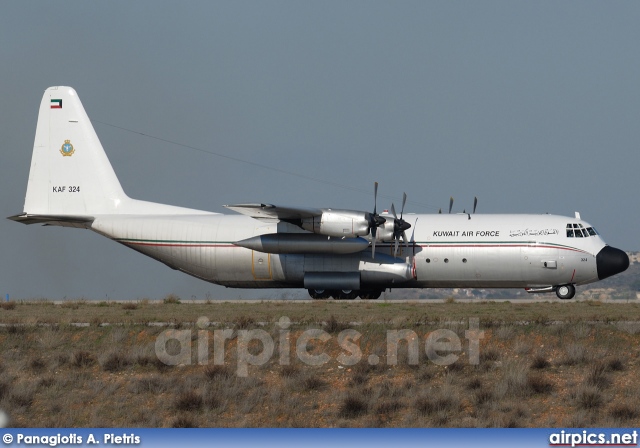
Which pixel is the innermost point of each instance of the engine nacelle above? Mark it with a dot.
(347, 223)
(385, 232)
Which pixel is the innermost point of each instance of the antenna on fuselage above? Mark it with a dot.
(450, 204)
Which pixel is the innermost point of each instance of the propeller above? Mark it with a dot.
(375, 220)
(399, 225)
(412, 259)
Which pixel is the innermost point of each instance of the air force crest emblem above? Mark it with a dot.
(67, 148)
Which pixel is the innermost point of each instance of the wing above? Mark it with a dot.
(270, 211)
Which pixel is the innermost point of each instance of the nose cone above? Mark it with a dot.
(611, 261)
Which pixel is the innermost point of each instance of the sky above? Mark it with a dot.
(533, 107)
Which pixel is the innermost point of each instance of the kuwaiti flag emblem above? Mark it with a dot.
(56, 104)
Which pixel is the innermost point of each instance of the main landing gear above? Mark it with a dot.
(565, 292)
(344, 294)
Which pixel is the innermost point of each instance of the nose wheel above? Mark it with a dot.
(566, 292)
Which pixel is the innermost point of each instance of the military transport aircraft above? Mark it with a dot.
(332, 253)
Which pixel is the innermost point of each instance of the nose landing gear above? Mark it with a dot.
(565, 292)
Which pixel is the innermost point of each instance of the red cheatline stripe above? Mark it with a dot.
(136, 243)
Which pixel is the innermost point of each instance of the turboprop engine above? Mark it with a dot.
(340, 223)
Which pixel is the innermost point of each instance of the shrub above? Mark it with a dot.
(80, 358)
(353, 407)
(575, 354)
(483, 396)
(214, 372)
(4, 389)
(245, 322)
(441, 402)
(615, 364)
(474, 384)
(115, 361)
(540, 362)
(129, 306)
(597, 376)
(8, 305)
(288, 371)
(183, 422)
(589, 397)
(334, 326)
(313, 383)
(514, 380)
(539, 384)
(171, 299)
(623, 411)
(388, 407)
(188, 401)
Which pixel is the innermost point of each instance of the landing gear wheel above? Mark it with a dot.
(566, 292)
(370, 295)
(346, 294)
(319, 294)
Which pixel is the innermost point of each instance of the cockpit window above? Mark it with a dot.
(577, 230)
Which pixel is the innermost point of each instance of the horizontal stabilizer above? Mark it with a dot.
(54, 220)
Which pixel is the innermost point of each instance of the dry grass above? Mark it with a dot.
(534, 374)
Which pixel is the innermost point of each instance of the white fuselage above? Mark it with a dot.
(458, 250)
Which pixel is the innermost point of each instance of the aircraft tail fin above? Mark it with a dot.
(71, 180)
(70, 172)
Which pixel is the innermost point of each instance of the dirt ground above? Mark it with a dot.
(548, 365)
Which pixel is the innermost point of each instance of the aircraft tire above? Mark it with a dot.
(566, 292)
(370, 294)
(319, 294)
(346, 294)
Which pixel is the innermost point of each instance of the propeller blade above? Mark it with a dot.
(413, 234)
(450, 204)
(375, 197)
(475, 204)
(399, 225)
(373, 241)
(404, 238)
